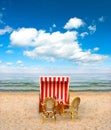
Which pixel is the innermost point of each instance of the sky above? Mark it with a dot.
(55, 36)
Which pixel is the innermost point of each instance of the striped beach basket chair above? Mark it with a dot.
(55, 87)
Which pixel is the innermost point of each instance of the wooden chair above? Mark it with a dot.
(48, 109)
(73, 108)
(56, 87)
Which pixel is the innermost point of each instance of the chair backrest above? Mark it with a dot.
(75, 103)
(55, 87)
(49, 104)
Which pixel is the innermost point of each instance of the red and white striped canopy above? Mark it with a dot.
(56, 87)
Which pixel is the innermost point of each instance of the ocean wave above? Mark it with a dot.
(78, 82)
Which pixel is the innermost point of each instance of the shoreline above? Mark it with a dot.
(70, 91)
(37, 92)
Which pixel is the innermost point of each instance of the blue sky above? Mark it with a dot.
(55, 35)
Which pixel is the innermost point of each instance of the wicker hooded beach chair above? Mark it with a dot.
(73, 108)
(55, 87)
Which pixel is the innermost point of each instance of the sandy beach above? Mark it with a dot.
(19, 111)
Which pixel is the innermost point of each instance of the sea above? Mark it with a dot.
(78, 81)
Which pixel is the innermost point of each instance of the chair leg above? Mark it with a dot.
(77, 114)
(63, 115)
(54, 119)
(42, 119)
(72, 115)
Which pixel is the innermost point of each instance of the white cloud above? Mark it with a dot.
(51, 28)
(33, 37)
(84, 34)
(9, 51)
(92, 29)
(53, 46)
(38, 70)
(0, 61)
(7, 29)
(101, 19)
(49, 59)
(24, 37)
(74, 23)
(54, 25)
(19, 70)
(19, 62)
(96, 49)
(9, 63)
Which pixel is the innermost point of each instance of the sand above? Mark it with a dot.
(19, 111)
